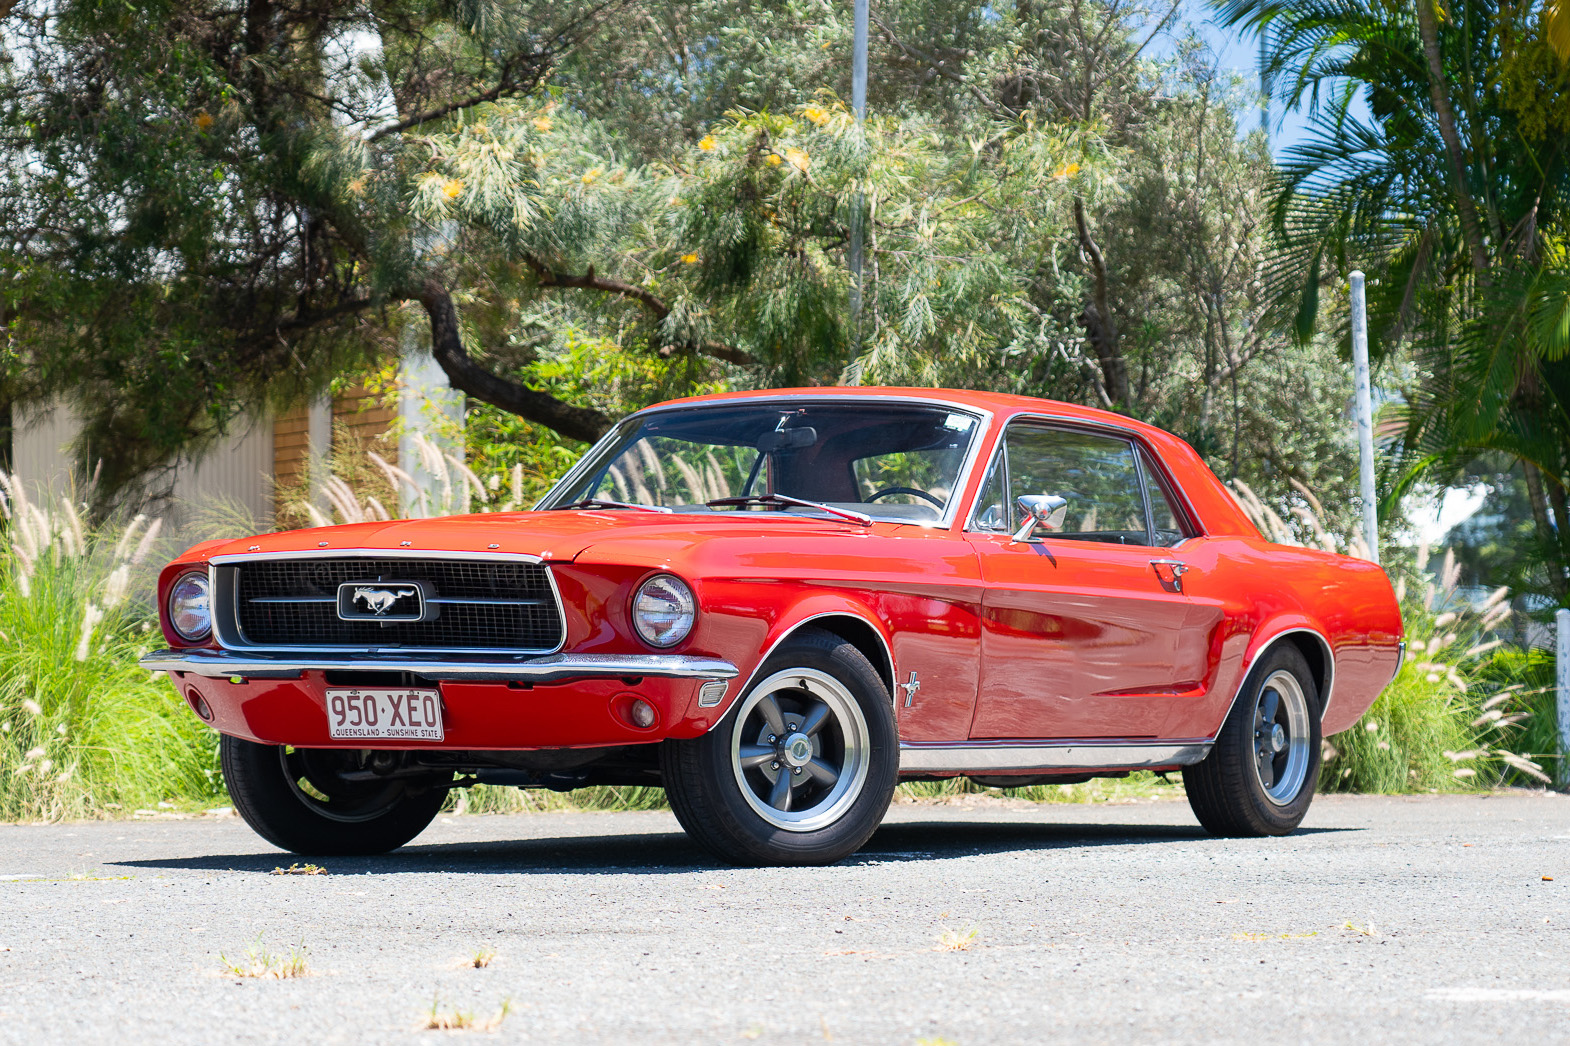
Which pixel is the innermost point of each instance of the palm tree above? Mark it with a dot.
(1453, 194)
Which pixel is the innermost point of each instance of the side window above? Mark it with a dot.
(1166, 519)
(990, 514)
(1097, 474)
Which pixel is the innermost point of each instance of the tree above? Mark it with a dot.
(204, 205)
(1453, 195)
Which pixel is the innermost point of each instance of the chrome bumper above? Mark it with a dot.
(553, 668)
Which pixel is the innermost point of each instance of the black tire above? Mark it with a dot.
(705, 779)
(267, 784)
(1228, 790)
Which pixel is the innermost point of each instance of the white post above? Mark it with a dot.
(1562, 667)
(858, 102)
(431, 413)
(1365, 415)
(319, 449)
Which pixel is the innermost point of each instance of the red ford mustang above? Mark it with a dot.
(776, 605)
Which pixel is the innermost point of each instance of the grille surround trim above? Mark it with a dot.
(223, 576)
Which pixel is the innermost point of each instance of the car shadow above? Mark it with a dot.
(673, 853)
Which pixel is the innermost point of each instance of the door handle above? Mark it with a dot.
(1170, 573)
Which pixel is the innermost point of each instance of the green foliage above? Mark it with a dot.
(84, 731)
(298, 208)
(1531, 673)
(1452, 195)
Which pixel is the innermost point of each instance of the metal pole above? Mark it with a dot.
(858, 102)
(1562, 666)
(1365, 415)
(1264, 81)
(858, 67)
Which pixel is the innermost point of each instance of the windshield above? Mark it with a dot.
(888, 460)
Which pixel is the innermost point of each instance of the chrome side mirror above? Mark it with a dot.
(1043, 510)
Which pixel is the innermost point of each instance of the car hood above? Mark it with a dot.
(557, 536)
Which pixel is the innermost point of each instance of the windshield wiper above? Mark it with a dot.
(602, 503)
(787, 500)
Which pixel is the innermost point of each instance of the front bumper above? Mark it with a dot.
(554, 668)
(557, 701)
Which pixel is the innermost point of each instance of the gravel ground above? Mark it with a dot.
(1420, 919)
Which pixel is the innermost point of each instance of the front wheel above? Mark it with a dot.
(802, 769)
(1260, 775)
(326, 802)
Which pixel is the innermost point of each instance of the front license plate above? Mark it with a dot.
(409, 715)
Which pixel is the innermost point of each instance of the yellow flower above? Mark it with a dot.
(1068, 170)
(816, 115)
(203, 120)
(542, 123)
(452, 188)
(689, 259)
(773, 160)
(706, 143)
(592, 175)
(798, 159)
(357, 186)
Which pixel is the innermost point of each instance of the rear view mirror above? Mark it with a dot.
(1040, 510)
(787, 439)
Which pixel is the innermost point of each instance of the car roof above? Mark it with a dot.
(999, 403)
(1213, 506)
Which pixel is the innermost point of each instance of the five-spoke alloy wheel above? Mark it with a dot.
(1259, 777)
(801, 770)
(799, 749)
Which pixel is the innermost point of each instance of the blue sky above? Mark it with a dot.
(1238, 51)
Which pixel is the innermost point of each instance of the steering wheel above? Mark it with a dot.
(886, 491)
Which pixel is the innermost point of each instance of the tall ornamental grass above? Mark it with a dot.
(84, 731)
(1450, 720)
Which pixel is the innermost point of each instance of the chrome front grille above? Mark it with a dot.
(483, 604)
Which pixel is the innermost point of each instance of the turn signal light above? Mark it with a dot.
(642, 714)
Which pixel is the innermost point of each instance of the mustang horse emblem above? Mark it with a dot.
(379, 600)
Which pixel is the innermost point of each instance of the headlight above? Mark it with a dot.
(191, 607)
(663, 610)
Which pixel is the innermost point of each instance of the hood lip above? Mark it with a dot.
(364, 552)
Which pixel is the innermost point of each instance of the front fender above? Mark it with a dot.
(779, 614)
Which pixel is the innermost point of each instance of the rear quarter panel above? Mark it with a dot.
(1258, 591)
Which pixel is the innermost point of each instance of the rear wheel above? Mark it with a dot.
(1260, 776)
(326, 802)
(802, 769)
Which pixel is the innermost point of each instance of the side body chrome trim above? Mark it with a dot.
(221, 664)
(1330, 664)
(951, 511)
(888, 651)
(226, 596)
(988, 756)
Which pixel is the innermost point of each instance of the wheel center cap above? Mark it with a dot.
(1278, 737)
(797, 750)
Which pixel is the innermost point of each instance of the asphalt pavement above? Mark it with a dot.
(1415, 919)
